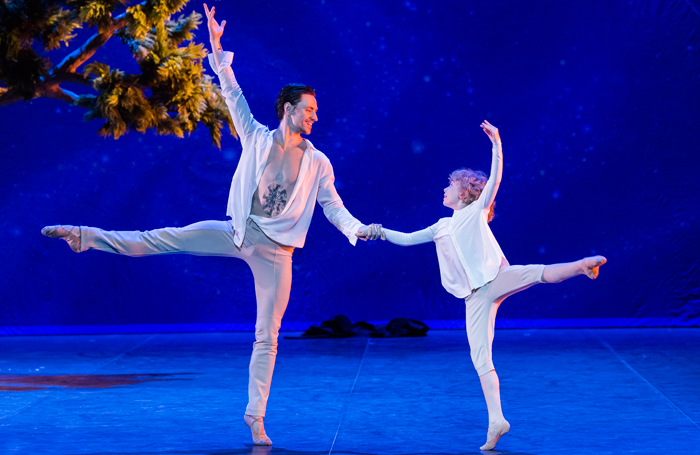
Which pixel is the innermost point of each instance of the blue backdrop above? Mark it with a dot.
(597, 107)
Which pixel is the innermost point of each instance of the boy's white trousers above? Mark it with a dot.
(482, 305)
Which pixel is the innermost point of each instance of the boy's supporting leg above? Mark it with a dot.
(492, 393)
(498, 425)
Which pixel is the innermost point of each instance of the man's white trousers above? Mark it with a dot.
(270, 262)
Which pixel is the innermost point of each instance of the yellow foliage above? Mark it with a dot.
(92, 11)
(63, 27)
(170, 95)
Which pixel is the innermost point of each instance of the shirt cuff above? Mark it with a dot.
(225, 62)
(352, 231)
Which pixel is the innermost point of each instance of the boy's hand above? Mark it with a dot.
(491, 131)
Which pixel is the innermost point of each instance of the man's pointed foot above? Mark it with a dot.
(494, 434)
(257, 428)
(591, 266)
(70, 234)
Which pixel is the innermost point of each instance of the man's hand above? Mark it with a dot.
(215, 30)
(371, 232)
(491, 131)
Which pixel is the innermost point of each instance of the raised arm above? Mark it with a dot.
(220, 62)
(488, 195)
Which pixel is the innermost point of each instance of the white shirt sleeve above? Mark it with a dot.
(237, 105)
(414, 238)
(333, 206)
(488, 195)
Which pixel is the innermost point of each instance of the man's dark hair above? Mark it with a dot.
(291, 93)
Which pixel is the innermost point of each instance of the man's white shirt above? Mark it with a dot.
(314, 182)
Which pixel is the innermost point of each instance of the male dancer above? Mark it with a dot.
(278, 179)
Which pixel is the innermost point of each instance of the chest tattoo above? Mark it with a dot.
(275, 198)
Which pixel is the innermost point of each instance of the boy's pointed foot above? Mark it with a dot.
(494, 434)
(70, 234)
(257, 428)
(591, 266)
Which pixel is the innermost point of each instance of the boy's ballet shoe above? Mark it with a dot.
(591, 265)
(494, 434)
(257, 428)
(70, 234)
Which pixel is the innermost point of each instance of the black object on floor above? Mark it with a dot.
(401, 327)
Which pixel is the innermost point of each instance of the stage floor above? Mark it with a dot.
(575, 391)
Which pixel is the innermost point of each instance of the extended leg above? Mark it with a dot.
(206, 238)
(272, 268)
(555, 273)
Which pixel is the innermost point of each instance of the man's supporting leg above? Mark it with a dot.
(554, 273)
(271, 264)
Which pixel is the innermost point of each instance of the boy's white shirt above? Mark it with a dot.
(472, 241)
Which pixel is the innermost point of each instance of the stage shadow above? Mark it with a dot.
(30, 383)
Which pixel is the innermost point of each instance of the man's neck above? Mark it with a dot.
(287, 135)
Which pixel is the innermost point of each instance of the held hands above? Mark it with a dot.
(491, 131)
(371, 232)
(215, 30)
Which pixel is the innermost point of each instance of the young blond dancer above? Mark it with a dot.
(473, 267)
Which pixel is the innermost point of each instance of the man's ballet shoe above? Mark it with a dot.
(70, 234)
(494, 435)
(257, 428)
(591, 265)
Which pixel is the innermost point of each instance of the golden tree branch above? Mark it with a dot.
(76, 58)
(49, 89)
(52, 90)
